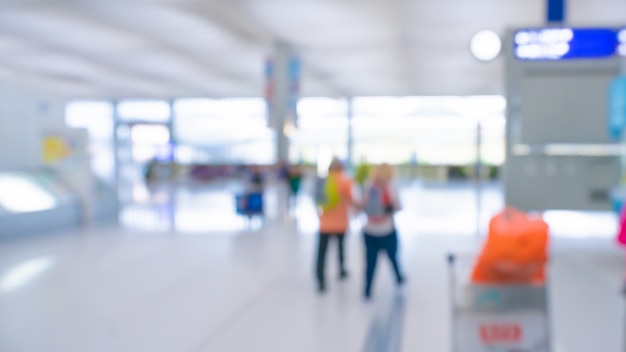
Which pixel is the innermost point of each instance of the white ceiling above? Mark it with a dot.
(134, 48)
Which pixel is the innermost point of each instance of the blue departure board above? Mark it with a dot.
(566, 43)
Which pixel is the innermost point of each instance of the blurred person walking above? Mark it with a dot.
(334, 197)
(294, 178)
(256, 180)
(381, 201)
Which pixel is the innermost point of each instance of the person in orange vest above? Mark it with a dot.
(334, 220)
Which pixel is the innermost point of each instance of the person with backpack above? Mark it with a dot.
(334, 198)
(381, 201)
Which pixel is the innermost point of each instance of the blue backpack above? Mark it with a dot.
(376, 205)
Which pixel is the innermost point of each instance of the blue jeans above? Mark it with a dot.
(374, 244)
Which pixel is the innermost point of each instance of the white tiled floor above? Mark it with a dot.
(208, 281)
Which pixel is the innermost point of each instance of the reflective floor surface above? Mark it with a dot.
(190, 275)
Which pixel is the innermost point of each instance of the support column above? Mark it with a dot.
(171, 126)
(283, 76)
(171, 150)
(478, 175)
(116, 144)
(350, 113)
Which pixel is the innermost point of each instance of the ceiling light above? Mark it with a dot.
(486, 45)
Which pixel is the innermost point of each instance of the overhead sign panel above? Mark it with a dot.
(566, 43)
(621, 38)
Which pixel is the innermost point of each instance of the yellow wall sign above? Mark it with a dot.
(55, 149)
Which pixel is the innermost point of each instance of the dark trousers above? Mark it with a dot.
(374, 244)
(321, 253)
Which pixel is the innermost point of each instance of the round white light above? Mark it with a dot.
(486, 45)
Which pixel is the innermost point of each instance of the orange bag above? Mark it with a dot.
(515, 250)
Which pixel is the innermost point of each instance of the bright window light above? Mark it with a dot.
(324, 158)
(20, 194)
(224, 130)
(317, 124)
(144, 110)
(437, 130)
(485, 45)
(479, 106)
(203, 131)
(322, 131)
(236, 107)
(23, 273)
(388, 106)
(150, 134)
(95, 116)
(316, 107)
(193, 107)
(204, 121)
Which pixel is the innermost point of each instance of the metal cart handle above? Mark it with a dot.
(451, 259)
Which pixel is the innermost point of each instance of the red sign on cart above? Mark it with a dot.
(500, 333)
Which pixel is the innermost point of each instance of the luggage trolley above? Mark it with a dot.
(249, 204)
(496, 318)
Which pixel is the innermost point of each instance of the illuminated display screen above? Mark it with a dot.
(566, 43)
(621, 38)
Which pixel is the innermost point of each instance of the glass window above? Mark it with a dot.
(429, 130)
(223, 131)
(144, 110)
(253, 108)
(322, 130)
(97, 118)
(150, 141)
(150, 134)
(493, 139)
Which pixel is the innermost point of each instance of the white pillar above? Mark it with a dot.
(282, 93)
(478, 176)
(116, 146)
(350, 113)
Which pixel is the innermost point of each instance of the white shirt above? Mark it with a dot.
(383, 227)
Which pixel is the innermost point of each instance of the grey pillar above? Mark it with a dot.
(478, 175)
(283, 76)
(116, 144)
(171, 126)
(350, 114)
